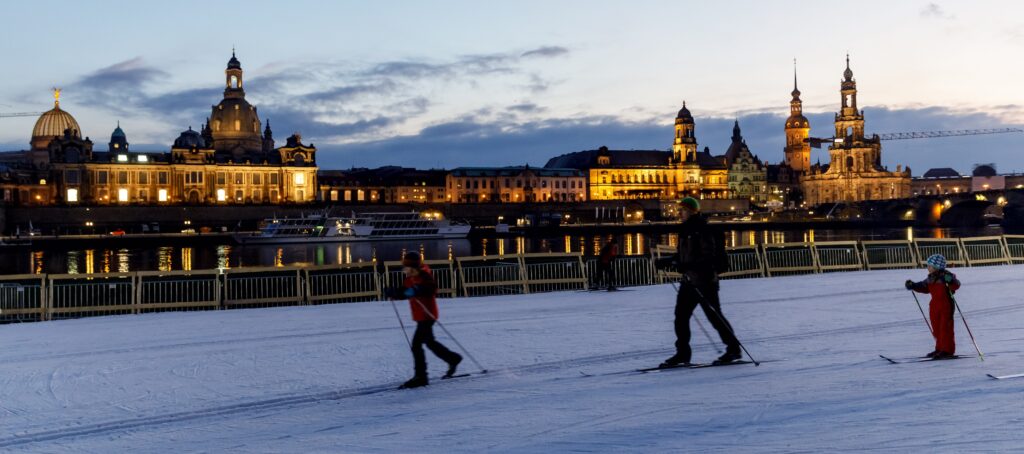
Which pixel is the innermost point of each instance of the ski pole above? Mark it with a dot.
(701, 325)
(461, 347)
(707, 305)
(981, 356)
(401, 323)
(922, 312)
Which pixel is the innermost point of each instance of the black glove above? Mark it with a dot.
(909, 284)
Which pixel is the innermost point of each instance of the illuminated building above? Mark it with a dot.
(515, 185)
(855, 169)
(389, 184)
(747, 175)
(228, 162)
(652, 174)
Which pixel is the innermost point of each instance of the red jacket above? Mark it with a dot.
(424, 294)
(936, 286)
(940, 308)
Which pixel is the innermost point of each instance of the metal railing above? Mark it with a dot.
(888, 254)
(985, 250)
(789, 258)
(23, 298)
(45, 297)
(177, 290)
(950, 248)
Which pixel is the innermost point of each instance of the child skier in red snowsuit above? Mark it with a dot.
(940, 284)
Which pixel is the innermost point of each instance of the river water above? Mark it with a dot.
(106, 258)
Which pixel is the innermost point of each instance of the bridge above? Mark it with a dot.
(964, 209)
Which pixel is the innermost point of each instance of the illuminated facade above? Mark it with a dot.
(390, 184)
(515, 185)
(747, 174)
(652, 174)
(228, 162)
(855, 170)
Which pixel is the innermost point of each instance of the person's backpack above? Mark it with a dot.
(721, 259)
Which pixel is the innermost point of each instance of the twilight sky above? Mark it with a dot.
(458, 83)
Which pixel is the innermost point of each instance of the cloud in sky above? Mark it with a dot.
(470, 142)
(934, 11)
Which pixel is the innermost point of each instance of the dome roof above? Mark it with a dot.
(118, 133)
(52, 124)
(984, 170)
(234, 63)
(797, 121)
(189, 139)
(684, 114)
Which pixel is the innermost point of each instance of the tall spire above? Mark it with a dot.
(796, 91)
(848, 74)
(736, 137)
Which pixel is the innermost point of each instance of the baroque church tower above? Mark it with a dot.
(798, 130)
(234, 123)
(684, 148)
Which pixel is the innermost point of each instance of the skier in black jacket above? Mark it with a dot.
(698, 259)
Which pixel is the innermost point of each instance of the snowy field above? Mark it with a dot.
(320, 379)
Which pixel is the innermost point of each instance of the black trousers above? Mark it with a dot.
(605, 275)
(690, 295)
(425, 336)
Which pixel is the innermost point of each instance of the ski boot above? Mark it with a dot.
(415, 382)
(676, 360)
(452, 366)
(728, 357)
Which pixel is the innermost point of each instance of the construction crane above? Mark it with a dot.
(816, 142)
(20, 114)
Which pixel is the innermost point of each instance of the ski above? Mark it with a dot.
(449, 377)
(919, 359)
(692, 366)
(1004, 377)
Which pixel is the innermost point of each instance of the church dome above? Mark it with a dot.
(684, 115)
(52, 124)
(234, 63)
(797, 121)
(190, 139)
(118, 133)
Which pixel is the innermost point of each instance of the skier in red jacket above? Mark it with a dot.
(940, 284)
(421, 289)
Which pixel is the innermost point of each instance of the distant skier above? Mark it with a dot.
(605, 273)
(699, 259)
(421, 289)
(940, 283)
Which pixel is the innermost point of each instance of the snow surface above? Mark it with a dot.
(320, 379)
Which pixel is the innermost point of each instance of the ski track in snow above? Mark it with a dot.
(220, 376)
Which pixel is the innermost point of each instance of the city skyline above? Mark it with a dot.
(472, 92)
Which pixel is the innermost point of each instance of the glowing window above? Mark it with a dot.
(122, 158)
(221, 195)
(72, 195)
(143, 158)
(300, 179)
(161, 195)
(122, 195)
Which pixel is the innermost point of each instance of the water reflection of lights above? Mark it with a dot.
(164, 261)
(186, 258)
(223, 257)
(73, 262)
(123, 256)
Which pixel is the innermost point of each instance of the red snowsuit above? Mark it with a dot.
(940, 308)
(425, 288)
